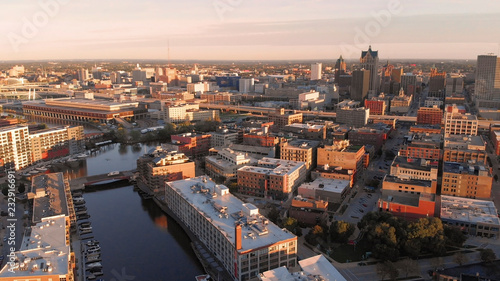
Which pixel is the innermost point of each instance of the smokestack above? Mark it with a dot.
(238, 237)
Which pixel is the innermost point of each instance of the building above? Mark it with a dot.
(56, 142)
(315, 268)
(464, 149)
(400, 103)
(377, 105)
(327, 172)
(223, 137)
(422, 145)
(464, 180)
(455, 108)
(454, 84)
(340, 69)
(306, 131)
(426, 129)
(245, 242)
(226, 163)
(316, 71)
(343, 155)
(196, 88)
(405, 185)
(495, 137)
(308, 211)
(15, 148)
(487, 85)
(414, 168)
(45, 253)
(355, 117)
(192, 144)
(247, 85)
(432, 101)
(360, 84)
(300, 150)
(328, 190)
(273, 178)
(188, 112)
(369, 61)
(160, 165)
(473, 217)
(410, 206)
(83, 110)
(260, 138)
(437, 83)
(460, 124)
(470, 272)
(429, 115)
(373, 135)
(83, 75)
(281, 119)
(409, 83)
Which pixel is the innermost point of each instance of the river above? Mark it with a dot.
(138, 240)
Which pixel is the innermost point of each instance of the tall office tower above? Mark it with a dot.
(316, 71)
(487, 89)
(454, 84)
(409, 83)
(340, 69)
(396, 80)
(83, 74)
(369, 61)
(437, 82)
(360, 84)
(386, 79)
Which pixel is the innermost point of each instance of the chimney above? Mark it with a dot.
(238, 237)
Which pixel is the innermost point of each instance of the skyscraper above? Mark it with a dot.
(369, 61)
(487, 80)
(360, 84)
(340, 68)
(437, 82)
(316, 71)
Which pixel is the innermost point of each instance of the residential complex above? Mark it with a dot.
(245, 242)
(56, 142)
(15, 148)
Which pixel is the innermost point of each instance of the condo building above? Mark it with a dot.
(245, 242)
(56, 142)
(15, 148)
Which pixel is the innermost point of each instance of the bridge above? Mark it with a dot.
(83, 182)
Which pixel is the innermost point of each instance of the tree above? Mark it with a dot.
(454, 236)
(317, 230)
(487, 255)
(460, 258)
(135, 135)
(408, 266)
(290, 224)
(21, 188)
(340, 231)
(387, 269)
(273, 215)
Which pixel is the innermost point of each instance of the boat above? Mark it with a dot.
(82, 156)
(42, 169)
(94, 264)
(34, 172)
(205, 277)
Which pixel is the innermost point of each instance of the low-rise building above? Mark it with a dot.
(314, 269)
(308, 211)
(426, 129)
(409, 206)
(300, 150)
(400, 103)
(342, 154)
(473, 217)
(160, 165)
(377, 105)
(464, 180)
(192, 144)
(422, 145)
(245, 242)
(223, 137)
(411, 186)
(180, 113)
(460, 124)
(226, 163)
(462, 149)
(429, 115)
(329, 190)
(260, 138)
(274, 178)
(307, 131)
(433, 101)
(281, 119)
(375, 135)
(327, 172)
(415, 168)
(355, 117)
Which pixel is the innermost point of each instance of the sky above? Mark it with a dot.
(247, 29)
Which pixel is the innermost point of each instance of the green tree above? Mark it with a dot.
(487, 255)
(340, 231)
(273, 215)
(454, 236)
(135, 135)
(317, 230)
(460, 258)
(290, 224)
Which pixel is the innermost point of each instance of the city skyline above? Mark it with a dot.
(257, 30)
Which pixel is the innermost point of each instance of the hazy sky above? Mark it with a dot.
(247, 29)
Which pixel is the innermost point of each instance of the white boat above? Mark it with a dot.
(42, 169)
(82, 156)
(94, 264)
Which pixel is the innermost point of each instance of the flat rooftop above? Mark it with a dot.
(303, 144)
(320, 266)
(328, 185)
(468, 210)
(305, 126)
(404, 198)
(44, 252)
(424, 183)
(414, 163)
(272, 166)
(257, 231)
(79, 109)
(463, 168)
(464, 141)
(50, 197)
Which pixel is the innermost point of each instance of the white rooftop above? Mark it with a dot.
(224, 210)
(45, 246)
(306, 126)
(319, 265)
(330, 185)
(272, 166)
(468, 210)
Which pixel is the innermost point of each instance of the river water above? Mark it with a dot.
(138, 240)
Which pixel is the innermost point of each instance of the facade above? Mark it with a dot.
(360, 84)
(226, 163)
(307, 131)
(274, 178)
(315, 71)
(411, 168)
(281, 119)
(260, 138)
(473, 217)
(405, 185)
(487, 85)
(430, 115)
(328, 190)
(426, 129)
(56, 142)
(400, 103)
(191, 144)
(369, 61)
(308, 211)
(160, 165)
(83, 110)
(15, 148)
(432, 101)
(409, 83)
(53, 261)
(245, 242)
(217, 97)
(410, 206)
(343, 155)
(356, 117)
(300, 150)
(464, 180)
(454, 84)
(462, 149)
(460, 124)
(188, 112)
(495, 137)
(422, 145)
(224, 137)
(328, 172)
(368, 136)
(437, 83)
(376, 105)
(247, 85)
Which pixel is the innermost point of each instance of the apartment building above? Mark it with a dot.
(15, 148)
(300, 150)
(464, 180)
(192, 144)
(462, 149)
(460, 124)
(56, 142)
(343, 155)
